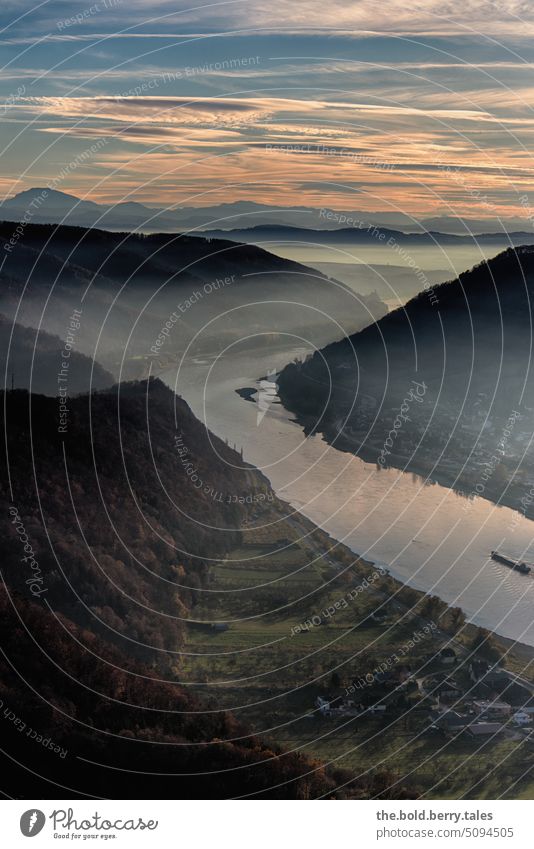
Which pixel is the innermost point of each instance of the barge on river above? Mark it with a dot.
(512, 564)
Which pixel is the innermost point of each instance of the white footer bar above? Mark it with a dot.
(269, 824)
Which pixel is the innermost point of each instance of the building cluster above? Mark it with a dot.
(489, 703)
(478, 700)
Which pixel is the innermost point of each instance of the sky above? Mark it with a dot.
(424, 109)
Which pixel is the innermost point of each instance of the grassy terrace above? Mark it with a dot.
(269, 667)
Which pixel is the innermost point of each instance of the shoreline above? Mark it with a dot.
(426, 471)
(511, 645)
(441, 478)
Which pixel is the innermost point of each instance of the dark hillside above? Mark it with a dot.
(469, 347)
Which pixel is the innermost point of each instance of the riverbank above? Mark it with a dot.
(307, 619)
(518, 495)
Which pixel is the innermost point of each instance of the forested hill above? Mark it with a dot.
(135, 498)
(109, 530)
(485, 310)
(57, 254)
(127, 287)
(31, 359)
(468, 341)
(79, 719)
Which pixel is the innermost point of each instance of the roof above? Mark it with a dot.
(448, 684)
(494, 704)
(485, 728)
(495, 676)
(448, 652)
(452, 719)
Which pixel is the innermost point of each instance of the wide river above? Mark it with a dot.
(428, 536)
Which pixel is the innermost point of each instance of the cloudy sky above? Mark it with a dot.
(423, 108)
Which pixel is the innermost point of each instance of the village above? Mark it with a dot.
(455, 697)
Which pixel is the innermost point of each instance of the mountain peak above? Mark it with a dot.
(50, 196)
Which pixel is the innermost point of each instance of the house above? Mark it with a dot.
(480, 729)
(497, 679)
(447, 656)
(448, 690)
(522, 718)
(451, 720)
(337, 706)
(492, 709)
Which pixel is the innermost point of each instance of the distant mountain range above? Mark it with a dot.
(369, 235)
(46, 206)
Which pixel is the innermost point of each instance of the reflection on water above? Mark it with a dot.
(426, 534)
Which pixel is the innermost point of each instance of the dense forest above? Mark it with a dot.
(122, 535)
(474, 330)
(77, 718)
(100, 574)
(31, 359)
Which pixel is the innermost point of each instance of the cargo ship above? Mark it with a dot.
(512, 564)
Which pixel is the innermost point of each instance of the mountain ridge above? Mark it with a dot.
(133, 214)
(469, 345)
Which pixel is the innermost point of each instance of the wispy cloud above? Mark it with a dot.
(347, 16)
(406, 87)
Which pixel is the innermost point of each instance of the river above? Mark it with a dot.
(427, 536)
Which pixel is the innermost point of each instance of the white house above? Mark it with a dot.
(323, 705)
(492, 710)
(522, 718)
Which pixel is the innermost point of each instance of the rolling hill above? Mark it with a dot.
(132, 290)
